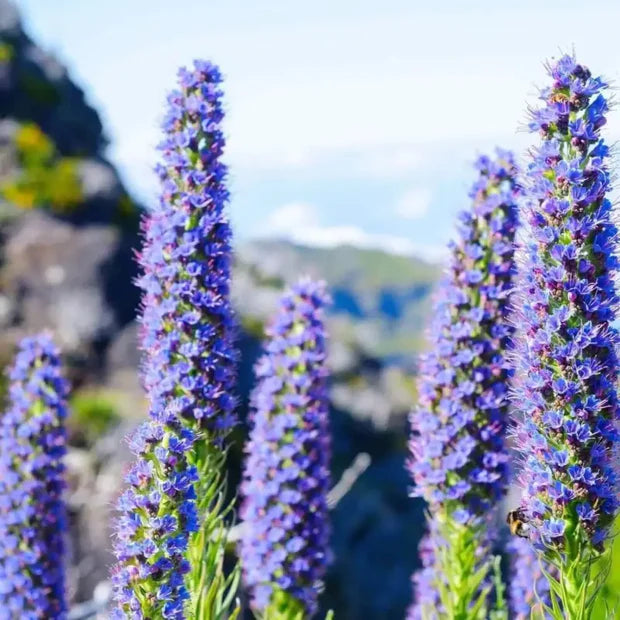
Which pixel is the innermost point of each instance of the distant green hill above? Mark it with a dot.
(383, 298)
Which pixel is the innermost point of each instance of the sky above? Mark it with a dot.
(348, 121)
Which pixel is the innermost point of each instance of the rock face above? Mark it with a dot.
(36, 87)
(72, 270)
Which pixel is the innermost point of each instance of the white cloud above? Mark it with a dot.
(299, 222)
(291, 217)
(413, 204)
(390, 161)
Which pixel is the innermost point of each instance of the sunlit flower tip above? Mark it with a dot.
(188, 327)
(33, 518)
(286, 473)
(458, 460)
(567, 360)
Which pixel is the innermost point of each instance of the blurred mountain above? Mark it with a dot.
(385, 297)
(68, 231)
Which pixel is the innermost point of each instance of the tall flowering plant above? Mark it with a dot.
(175, 503)
(284, 545)
(458, 461)
(32, 512)
(567, 352)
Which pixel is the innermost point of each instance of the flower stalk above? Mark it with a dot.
(567, 351)
(458, 458)
(284, 545)
(190, 357)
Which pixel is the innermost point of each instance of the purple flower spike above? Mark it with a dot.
(568, 363)
(188, 326)
(567, 350)
(458, 458)
(284, 547)
(458, 461)
(189, 373)
(157, 515)
(33, 519)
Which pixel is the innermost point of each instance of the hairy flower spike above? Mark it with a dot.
(170, 537)
(188, 325)
(284, 548)
(458, 459)
(32, 512)
(567, 358)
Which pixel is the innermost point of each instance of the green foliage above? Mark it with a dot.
(6, 53)
(45, 180)
(607, 604)
(253, 326)
(462, 572)
(93, 412)
(38, 89)
(283, 607)
(581, 577)
(127, 212)
(213, 591)
(500, 609)
(369, 268)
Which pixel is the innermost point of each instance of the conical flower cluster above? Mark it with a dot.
(567, 353)
(458, 461)
(188, 324)
(284, 548)
(189, 371)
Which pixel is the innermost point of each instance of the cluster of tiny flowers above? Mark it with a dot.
(187, 319)
(157, 515)
(458, 459)
(528, 587)
(286, 478)
(426, 604)
(190, 361)
(566, 359)
(32, 512)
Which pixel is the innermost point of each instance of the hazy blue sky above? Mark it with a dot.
(350, 120)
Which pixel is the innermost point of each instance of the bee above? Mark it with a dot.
(517, 521)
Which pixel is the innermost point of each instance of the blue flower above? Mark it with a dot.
(462, 379)
(458, 457)
(188, 325)
(286, 476)
(157, 513)
(568, 394)
(567, 349)
(33, 518)
(189, 368)
(426, 604)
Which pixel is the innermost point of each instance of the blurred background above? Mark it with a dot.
(351, 131)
